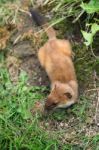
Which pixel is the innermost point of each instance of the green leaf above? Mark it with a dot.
(88, 37)
(94, 28)
(91, 7)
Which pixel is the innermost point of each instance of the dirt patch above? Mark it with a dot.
(24, 47)
(37, 75)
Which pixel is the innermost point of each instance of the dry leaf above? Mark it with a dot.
(4, 36)
(13, 66)
(38, 107)
(25, 4)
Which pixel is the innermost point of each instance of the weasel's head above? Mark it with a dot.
(61, 96)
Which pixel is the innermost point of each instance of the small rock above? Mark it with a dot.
(23, 49)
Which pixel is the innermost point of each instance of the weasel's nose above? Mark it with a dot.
(49, 105)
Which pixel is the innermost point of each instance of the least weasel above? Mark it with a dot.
(55, 57)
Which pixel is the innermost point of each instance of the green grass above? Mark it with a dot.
(19, 129)
(8, 11)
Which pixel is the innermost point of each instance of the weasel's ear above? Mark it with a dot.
(68, 95)
(55, 85)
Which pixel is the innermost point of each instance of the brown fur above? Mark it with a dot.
(56, 58)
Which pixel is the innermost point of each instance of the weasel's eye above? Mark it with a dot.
(68, 95)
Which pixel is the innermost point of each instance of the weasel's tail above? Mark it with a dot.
(40, 21)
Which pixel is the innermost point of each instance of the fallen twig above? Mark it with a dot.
(97, 104)
(97, 110)
(17, 39)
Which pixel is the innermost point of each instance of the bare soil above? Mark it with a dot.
(26, 52)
